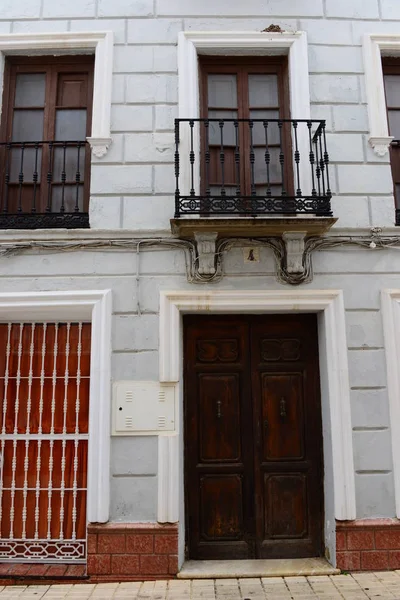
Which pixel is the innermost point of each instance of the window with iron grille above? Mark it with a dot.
(391, 77)
(44, 158)
(246, 149)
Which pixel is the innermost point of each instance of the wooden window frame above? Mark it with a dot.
(51, 66)
(243, 66)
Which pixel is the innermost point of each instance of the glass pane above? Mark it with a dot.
(259, 130)
(263, 90)
(229, 190)
(392, 89)
(27, 126)
(394, 123)
(275, 190)
(31, 162)
(260, 168)
(71, 163)
(228, 129)
(30, 89)
(222, 91)
(69, 198)
(70, 124)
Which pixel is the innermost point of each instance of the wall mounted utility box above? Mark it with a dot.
(143, 407)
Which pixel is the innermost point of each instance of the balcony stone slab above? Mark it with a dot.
(250, 227)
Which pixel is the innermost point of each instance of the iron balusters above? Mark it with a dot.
(43, 185)
(251, 167)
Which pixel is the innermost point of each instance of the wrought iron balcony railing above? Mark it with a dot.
(44, 184)
(251, 167)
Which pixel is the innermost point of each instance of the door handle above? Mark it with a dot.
(219, 412)
(282, 408)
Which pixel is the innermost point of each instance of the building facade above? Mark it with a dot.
(199, 283)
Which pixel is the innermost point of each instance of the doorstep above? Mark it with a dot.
(285, 567)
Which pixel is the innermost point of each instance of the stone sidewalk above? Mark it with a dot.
(358, 586)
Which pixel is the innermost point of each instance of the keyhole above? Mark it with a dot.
(251, 256)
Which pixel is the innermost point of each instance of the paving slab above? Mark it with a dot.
(357, 586)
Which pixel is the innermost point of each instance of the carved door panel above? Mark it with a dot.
(218, 458)
(287, 423)
(253, 478)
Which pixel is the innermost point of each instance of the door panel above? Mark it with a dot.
(253, 441)
(221, 507)
(285, 508)
(220, 417)
(282, 414)
(218, 458)
(287, 417)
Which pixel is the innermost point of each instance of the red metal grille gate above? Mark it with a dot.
(44, 394)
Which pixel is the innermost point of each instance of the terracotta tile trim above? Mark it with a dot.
(368, 545)
(132, 551)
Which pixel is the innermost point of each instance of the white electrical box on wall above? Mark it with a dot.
(143, 407)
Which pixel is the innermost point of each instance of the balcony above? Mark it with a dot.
(44, 184)
(251, 176)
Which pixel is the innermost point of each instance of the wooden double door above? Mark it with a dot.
(253, 437)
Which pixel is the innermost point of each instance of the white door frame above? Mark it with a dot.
(335, 392)
(93, 306)
(390, 302)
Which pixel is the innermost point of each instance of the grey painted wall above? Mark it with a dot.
(132, 188)
(360, 273)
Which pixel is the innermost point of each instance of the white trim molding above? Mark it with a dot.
(193, 43)
(94, 306)
(374, 47)
(100, 43)
(390, 302)
(333, 367)
(168, 463)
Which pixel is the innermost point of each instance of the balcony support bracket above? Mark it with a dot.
(206, 251)
(294, 246)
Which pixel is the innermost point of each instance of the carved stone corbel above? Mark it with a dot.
(99, 146)
(380, 144)
(206, 248)
(294, 245)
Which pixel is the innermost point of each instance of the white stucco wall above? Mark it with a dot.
(132, 187)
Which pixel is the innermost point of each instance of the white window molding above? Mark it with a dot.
(374, 47)
(193, 43)
(390, 302)
(100, 43)
(93, 306)
(335, 391)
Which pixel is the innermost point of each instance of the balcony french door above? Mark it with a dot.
(242, 94)
(44, 157)
(44, 385)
